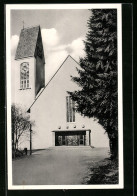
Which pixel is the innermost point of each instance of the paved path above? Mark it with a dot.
(59, 165)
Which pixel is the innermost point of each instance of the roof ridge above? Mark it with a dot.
(30, 27)
(51, 80)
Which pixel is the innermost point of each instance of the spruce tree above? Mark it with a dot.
(98, 97)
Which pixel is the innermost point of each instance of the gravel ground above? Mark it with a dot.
(57, 166)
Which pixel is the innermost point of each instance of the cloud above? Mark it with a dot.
(77, 48)
(50, 38)
(51, 43)
(56, 54)
(14, 42)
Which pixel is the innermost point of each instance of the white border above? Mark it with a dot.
(120, 103)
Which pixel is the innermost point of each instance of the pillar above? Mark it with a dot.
(53, 138)
(90, 137)
(87, 138)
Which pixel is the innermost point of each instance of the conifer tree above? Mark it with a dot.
(98, 97)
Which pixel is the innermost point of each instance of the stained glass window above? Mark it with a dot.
(70, 104)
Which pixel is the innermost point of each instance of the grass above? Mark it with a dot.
(105, 172)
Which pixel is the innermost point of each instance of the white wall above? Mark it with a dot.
(49, 111)
(24, 97)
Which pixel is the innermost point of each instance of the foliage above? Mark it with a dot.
(98, 74)
(20, 126)
(105, 172)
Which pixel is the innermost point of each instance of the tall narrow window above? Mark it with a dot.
(24, 75)
(70, 109)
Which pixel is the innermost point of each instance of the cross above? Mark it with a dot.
(23, 24)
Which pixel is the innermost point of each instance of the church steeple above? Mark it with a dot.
(28, 41)
(30, 62)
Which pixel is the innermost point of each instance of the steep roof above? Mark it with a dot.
(51, 80)
(27, 42)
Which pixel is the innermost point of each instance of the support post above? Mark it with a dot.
(30, 140)
(87, 138)
(53, 138)
(90, 137)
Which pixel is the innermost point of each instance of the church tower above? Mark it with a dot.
(30, 66)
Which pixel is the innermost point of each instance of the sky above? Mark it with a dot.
(63, 32)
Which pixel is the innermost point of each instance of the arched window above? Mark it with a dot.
(24, 75)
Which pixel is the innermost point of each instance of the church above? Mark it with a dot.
(49, 105)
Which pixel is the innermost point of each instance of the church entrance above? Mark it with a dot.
(70, 138)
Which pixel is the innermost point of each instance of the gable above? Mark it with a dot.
(61, 80)
(27, 42)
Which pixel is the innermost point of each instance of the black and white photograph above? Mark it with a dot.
(64, 96)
